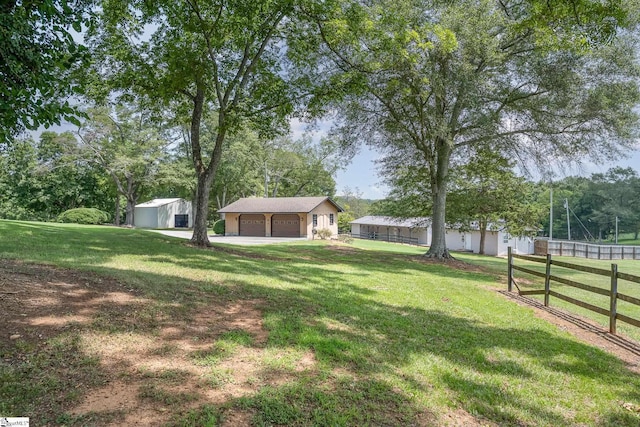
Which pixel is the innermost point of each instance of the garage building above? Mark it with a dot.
(281, 216)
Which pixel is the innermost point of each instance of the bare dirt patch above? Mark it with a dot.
(154, 364)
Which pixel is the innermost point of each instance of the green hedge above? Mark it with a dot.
(84, 216)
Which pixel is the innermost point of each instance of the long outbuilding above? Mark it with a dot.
(418, 231)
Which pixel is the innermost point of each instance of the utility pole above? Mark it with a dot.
(551, 213)
(616, 230)
(566, 205)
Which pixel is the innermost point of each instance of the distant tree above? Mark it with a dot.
(17, 180)
(352, 200)
(354, 205)
(128, 146)
(615, 194)
(295, 168)
(38, 55)
(487, 192)
(39, 180)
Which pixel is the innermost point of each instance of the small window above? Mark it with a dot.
(315, 220)
(330, 219)
(506, 238)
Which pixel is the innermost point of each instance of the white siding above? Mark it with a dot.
(454, 240)
(146, 217)
(162, 216)
(355, 229)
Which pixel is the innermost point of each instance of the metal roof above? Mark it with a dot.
(277, 205)
(388, 221)
(157, 203)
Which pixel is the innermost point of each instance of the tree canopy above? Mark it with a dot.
(38, 55)
(439, 80)
(224, 57)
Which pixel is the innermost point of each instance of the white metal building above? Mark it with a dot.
(164, 213)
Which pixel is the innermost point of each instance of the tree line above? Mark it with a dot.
(433, 85)
(119, 158)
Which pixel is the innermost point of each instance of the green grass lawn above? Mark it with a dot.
(394, 341)
(529, 282)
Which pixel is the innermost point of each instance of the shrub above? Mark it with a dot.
(84, 216)
(345, 238)
(324, 233)
(218, 227)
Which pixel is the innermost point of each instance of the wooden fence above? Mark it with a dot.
(586, 250)
(612, 292)
(387, 238)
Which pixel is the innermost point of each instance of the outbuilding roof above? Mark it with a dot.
(389, 221)
(157, 203)
(277, 205)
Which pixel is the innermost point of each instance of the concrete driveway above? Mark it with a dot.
(232, 240)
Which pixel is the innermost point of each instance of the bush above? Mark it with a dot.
(345, 238)
(84, 216)
(324, 233)
(218, 227)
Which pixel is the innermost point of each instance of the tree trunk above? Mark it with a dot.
(201, 210)
(132, 199)
(483, 233)
(130, 209)
(439, 172)
(266, 180)
(116, 217)
(204, 173)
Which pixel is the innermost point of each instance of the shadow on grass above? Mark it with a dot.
(393, 357)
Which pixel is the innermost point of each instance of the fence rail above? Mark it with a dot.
(586, 250)
(387, 238)
(612, 292)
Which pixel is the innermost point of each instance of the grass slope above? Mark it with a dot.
(394, 341)
(528, 282)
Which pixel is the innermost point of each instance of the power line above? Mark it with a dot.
(581, 224)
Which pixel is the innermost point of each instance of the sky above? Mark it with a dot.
(361, 174)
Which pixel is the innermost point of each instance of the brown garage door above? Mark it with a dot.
(252, 225)
(285, 225)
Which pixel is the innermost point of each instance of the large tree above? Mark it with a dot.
(37, 56)
(222, 57)
(536, 79)
(127, 145)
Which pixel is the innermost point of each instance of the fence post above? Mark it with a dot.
(509, 269)
(547, 281)
(613, 309)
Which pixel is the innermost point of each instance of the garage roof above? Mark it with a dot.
(156, 203)
(388, 221)
(277, 205)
